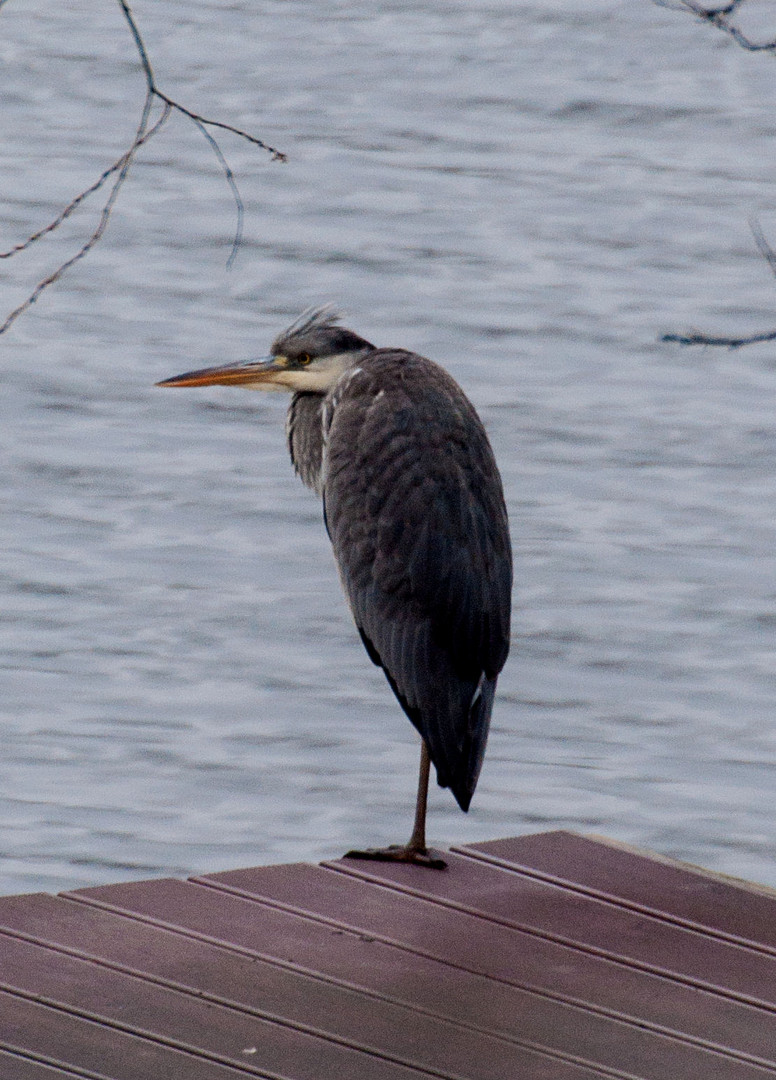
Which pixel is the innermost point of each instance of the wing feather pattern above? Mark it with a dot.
(415, 511)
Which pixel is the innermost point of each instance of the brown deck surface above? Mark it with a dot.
(547, 957)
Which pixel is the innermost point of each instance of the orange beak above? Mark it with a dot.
(245, 373)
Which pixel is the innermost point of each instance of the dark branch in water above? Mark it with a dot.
(121, 168)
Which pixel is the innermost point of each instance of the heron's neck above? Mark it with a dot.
(304, 431)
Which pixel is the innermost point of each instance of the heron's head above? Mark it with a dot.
(308, 357)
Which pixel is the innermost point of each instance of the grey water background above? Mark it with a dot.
(530, 193)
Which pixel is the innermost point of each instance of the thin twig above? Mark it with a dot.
(720, 17)
(238, 232)
(89, 191)
(101, 225)
(122, 166)
(139, 44)
(769, 255)
(277, 155)
(763, 246)
(727, 342)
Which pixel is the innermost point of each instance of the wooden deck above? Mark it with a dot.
(548, 957)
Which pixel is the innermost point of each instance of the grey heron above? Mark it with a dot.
(414, 507)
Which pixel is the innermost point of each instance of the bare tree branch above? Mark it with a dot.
(769, 255)
(122, 166)
(229, 175)
(89, 191)
(720, 17)
(728, 342)
(142, 131)
(764, 247)
(154, 89)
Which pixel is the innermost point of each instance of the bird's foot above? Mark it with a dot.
(401, 853)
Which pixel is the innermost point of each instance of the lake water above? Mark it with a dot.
(529, 193)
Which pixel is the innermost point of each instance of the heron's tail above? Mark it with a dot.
(473, 736)
(450, 711)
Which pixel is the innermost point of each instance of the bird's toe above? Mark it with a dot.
(401, 853)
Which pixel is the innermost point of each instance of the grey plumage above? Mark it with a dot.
(304, 434)
(414, 508)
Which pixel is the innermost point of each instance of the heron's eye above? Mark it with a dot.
(304, 359)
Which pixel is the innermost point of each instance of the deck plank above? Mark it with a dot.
(16, 1067)
(520, 961)
(438, 983)
(721, 905)
(78, 1043)
(353, 960)
(624, 935)
(263, 988)
(150, 1010)
(518, 956)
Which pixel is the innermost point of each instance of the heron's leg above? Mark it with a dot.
(415, 851)
(418, 838)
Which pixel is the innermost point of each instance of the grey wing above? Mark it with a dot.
(416, 515)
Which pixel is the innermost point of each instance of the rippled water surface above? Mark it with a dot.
(530, 193)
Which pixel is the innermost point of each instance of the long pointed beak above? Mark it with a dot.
(245, 373)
